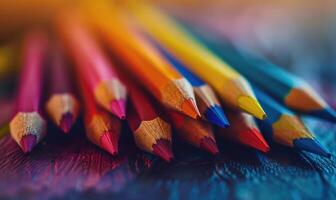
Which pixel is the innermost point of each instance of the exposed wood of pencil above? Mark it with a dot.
(27, 127)
(229, 84)
(206, 99)
(243, 129)
(102, 129)
(151, 132)
(143, 60)
(195, 132)
(62, 105)
(92, 64)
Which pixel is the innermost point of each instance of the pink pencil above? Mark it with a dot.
(62, 105)
(28, 127)
(93, 66)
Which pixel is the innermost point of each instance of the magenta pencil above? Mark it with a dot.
(28, 127)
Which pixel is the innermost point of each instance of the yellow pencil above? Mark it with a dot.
(229, 84)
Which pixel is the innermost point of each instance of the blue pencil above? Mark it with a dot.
(284, 127)
(285, 87)
(206, 99)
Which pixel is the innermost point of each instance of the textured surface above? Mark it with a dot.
(68, 166)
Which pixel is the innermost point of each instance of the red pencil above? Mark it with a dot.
(28, 127)
(151, 132)
(93, 66)
(196, 132)
(102, 129)
(62, 105)
(243, 129)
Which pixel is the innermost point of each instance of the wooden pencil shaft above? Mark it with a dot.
(59, 81)
(91, 62)
(30, 84)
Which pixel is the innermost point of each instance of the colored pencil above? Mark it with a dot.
(287, 88)
(243, 129)
(144, 62)
(229, 84)
(151, 132)
(284, 127)
(101, 128)
(92, 65)
(62, 105)
(206, 99)
(28, 127)
(195, 132)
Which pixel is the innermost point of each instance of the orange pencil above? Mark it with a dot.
(145, 63)
(244, 130)
(101, 128)
(195, 132)
(62, 105)
(151, 132)
(92, 65)
(28, 127)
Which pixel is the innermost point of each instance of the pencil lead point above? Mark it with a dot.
(189, 108)
(162, 148)
(28, 142)
(252, 106)
(118, 107)
(109, 143)
(311, 145)
(254, 138)
(66, 122)
(208, 144)
(216, 116)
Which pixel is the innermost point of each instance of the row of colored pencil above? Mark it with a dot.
(158, 75)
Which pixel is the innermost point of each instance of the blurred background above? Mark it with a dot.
(296, 34)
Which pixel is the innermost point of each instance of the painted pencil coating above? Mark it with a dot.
(287, 88)
(195, 132)
(243, 129)
(92, 65)
(231, 86)
(207, 102)
(284, 127)
(27, 127)
(148, 127)
(143, 60)
(62, 106)
(101, 128)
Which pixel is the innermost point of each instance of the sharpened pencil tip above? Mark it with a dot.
(109, 143)
(215, 115)
(28, 142)
(189, 108)
(66, 122)
(209, 145)
(118, 108)
(162, 148)
(311, 145)
(254, 138)
(252, 106)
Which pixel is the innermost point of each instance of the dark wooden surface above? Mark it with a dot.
(67, 166)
